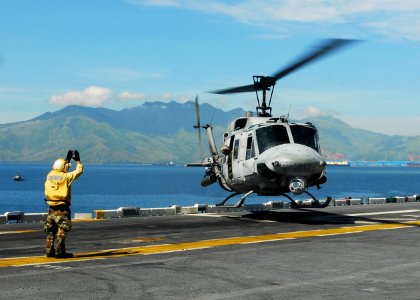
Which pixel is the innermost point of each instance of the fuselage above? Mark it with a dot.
(271, 156)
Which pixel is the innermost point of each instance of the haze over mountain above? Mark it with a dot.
(158, 132)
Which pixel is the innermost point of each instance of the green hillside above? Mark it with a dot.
(159, 133)
(43, 139)
(359, 144)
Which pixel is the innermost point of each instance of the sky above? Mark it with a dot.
(121, 53)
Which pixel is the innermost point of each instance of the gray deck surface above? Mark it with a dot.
(124, 259)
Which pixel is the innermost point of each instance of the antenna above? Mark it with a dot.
(285, 118)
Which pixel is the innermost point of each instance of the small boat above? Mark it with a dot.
(18, 177)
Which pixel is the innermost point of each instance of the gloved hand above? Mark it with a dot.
(69, 155)
(76, 156)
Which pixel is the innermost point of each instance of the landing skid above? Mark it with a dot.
(294, 204)
(317, 204)
(238, 204)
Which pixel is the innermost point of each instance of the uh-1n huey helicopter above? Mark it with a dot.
(267, 155)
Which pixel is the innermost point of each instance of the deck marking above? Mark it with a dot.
(383, 213)
(365, 222)
(17, 231)
(53, 267)
(86, 220)
(203, 244)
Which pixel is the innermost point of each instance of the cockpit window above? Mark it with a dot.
(240, 123)
(305, 136)
(271, 136)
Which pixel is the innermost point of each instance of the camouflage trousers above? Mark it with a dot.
(56, 227)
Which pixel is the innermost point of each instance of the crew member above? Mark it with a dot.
(58, 199)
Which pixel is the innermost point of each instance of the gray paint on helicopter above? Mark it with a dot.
(267, 155)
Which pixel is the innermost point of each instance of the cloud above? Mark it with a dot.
(131, 96)
(314, 112)
(91, 96)
(396, 27)
(184, 98)
(167, 96)
(391, 18)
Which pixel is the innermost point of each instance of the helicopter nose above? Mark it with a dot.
(294, 159)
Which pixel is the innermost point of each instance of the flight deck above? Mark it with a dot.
(366, 251)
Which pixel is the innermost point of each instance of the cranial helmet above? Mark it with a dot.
(61, 165)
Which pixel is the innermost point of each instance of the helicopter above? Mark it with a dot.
(264, 154)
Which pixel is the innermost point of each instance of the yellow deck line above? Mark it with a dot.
(167, 248)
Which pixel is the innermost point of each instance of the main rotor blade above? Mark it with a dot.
(327, 47)
(240, 89)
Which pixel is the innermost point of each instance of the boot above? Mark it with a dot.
(61, 250)
(64, 255)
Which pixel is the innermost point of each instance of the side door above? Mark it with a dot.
(235, 157)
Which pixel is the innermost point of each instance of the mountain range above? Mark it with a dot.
(157, 132)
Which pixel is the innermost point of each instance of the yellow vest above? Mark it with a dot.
(58, 186)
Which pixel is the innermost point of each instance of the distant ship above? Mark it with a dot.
(170, 163)
(340, 163)
(18, 177)
(415, 164)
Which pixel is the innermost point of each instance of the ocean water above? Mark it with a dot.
(114, 186)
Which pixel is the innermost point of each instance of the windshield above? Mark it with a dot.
(304, 135)
(271, 136)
